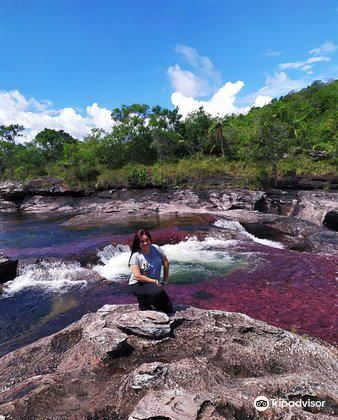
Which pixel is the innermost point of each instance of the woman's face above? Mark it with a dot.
(145, 243)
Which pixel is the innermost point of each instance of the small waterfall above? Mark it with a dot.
(111, 251)
(234, 225)
(53, 276)
(190, 259)
(115, 259)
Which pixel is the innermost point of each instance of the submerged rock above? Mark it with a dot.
(8, 268)
(204, 364)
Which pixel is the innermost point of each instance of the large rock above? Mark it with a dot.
(151, 325)
(12, 190)
(8, 268)
(293, 232)
(7, 206)
(51, 186)
(211, 366)
(46, 204)
(312, 206)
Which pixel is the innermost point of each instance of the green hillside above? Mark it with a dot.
(296, 134)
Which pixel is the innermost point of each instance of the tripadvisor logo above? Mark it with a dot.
(262, 403)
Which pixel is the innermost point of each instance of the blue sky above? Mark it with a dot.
(70, 54)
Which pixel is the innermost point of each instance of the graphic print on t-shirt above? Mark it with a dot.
(148, 269)
(150, 264)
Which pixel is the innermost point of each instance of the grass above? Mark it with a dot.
(208, 171)
(197, 171)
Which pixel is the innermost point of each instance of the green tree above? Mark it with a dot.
(270, 139)
(164, 127)
(52, 143)
(132, 133)
(195, 132)
(11, 132)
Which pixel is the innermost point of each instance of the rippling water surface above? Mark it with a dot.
(249, 275)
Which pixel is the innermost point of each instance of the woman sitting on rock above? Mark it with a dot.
(146, 262)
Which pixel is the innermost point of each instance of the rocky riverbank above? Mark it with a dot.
(120, 363)
(301, 220)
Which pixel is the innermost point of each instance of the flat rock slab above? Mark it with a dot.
(171, 405)
(148, 324)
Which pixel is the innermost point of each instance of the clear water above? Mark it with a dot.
(30, 236)
(250, 275)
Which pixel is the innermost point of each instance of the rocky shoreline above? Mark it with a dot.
(120, 363)
(301, 220)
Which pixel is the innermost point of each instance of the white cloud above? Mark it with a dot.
(303, 65)
(200, 63)
(221, 103)
(186, 82)
(15, 108)
(100, 117)
(203, 81)
(262, 100)
(279, 84)
(275, 86)
(325, 48)
(271, 53)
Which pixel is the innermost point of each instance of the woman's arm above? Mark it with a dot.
(140, 277)
(166, 268)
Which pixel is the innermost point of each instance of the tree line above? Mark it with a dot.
(299, 125)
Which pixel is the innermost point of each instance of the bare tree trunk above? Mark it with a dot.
(222, 146)
(220, 138)
(275, 172)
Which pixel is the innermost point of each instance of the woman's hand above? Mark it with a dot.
(159, 284)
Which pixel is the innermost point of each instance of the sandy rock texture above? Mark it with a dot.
(120, 363)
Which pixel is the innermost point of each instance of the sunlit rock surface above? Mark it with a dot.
(204, 365)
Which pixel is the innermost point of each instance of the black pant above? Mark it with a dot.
(150, 295)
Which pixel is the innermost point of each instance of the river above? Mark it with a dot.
(246, 274)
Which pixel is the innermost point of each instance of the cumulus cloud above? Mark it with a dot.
(35, 115)
(99, 117)
(221, 103)
(205, 79)
(326, 48)
(187, 83)
(262, 100)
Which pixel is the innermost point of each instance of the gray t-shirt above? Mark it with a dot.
(150, 265)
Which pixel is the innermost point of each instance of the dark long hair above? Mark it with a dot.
(135, 246)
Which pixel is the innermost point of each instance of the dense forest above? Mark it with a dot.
(296, 134)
